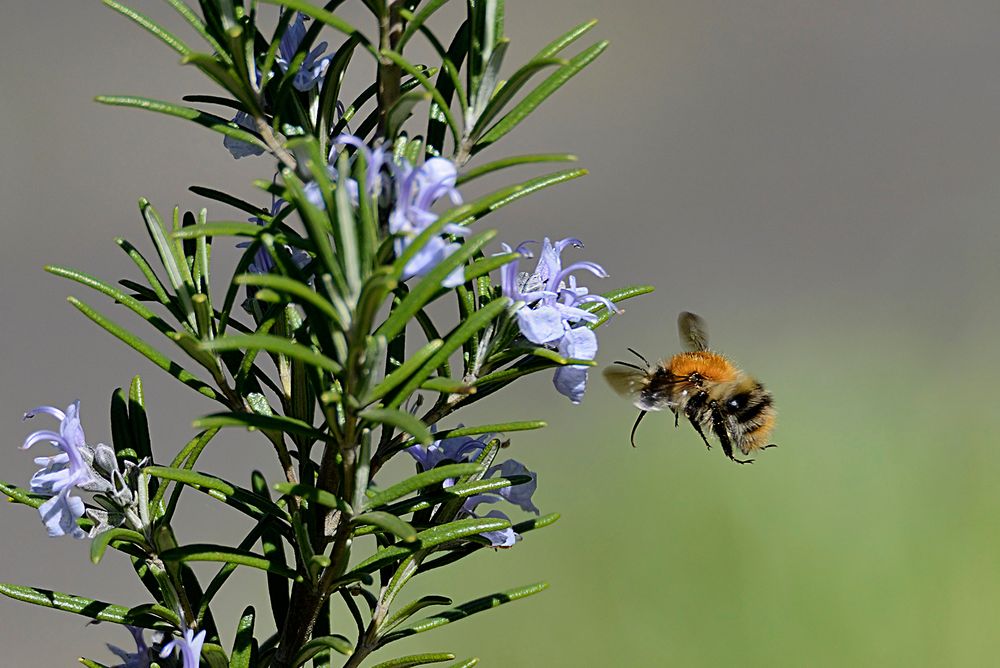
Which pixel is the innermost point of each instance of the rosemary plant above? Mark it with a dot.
(320, 337)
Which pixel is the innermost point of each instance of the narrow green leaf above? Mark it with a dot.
(220, 228)
(465, 610)
(402, 420)
(505, 196)
(150, 617)
(531, 101)
(239, 498)
(199, 26)
(277, 345)
(453, 342)
(147, 351)
(513, 161)
(536, 523)
(460, 490)
(418, 20)
(226, 198)
(403, 372)
(615, 296)
(420, 481)
(337, 643)
(314, 495)
(91, 664)
(216, 123)
(412, 608)
(273, 547)
(497, 428)
(399, 528)
(105, 538)
(243, 644)
(555, 46)
(221, 553)
(263, 422)
(447, 386)
(156, 30)
(323, 16)
(415, 660)
(426, 539)
(403, 109)
(465, 663)
(151, 278)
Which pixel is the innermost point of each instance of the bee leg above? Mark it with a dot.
(719, 429)
(677, 418)
(771, 445)
(696, 402)
(635, 426)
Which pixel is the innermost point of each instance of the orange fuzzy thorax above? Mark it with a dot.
(713, 367)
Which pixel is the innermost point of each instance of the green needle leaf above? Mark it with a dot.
(263, 422)
(147, 351)
(402, 420)
(426, 539)
(243, 645)
(337, 643)
(150, 617)
(412, 608)
(155, 29)
(420, 481)
(403, 530)
(465, 610)
(415, 660)
(228, 555)
(513, 161)
(277, 345)
(118, 535)
(551, 84)
(216, 123)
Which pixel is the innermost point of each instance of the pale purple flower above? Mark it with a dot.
(313, 68)
(137, 659)
(467, 449)
(571, 380)
(548, 309)
(550, 296)
(237, 147)
(188, 646)
(417, 189)
(62, 472)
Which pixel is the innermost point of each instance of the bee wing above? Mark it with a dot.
(624, 380)
(693, 332)
(629, 382)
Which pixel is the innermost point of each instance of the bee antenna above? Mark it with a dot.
(635, 426)
(639, 355)
(630, 365)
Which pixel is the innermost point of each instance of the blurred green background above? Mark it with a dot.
(817, 179)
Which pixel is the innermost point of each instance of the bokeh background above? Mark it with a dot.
(818, 179)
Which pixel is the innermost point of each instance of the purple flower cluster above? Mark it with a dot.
(417, 190)
(548, 309)
(463, 449)
(62, 472)
(413, 193)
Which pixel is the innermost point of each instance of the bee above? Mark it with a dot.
(709, 390)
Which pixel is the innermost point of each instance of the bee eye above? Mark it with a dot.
(738, 403)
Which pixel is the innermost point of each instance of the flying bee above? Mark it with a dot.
(709, 390)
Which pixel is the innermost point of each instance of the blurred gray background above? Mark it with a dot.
(819, 180)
